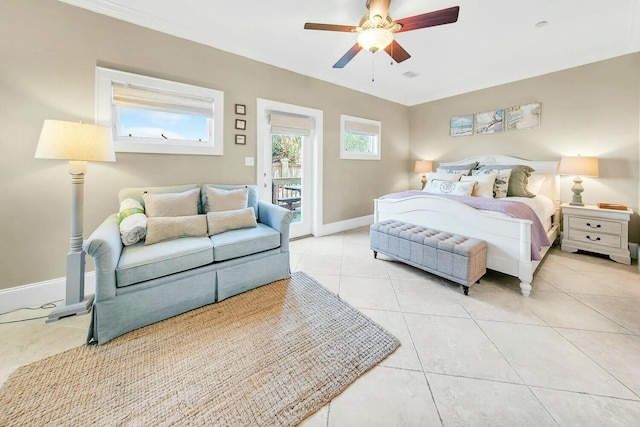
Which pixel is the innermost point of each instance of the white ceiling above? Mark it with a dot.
(494, 41)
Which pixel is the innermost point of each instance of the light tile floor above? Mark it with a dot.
(569, 355)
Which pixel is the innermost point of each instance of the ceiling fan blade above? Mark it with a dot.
(397, 52)
(431, 19)
(328, 27)
(351, 53)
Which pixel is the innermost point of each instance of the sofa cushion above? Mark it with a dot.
(219, 222)
(139, 263)
(219, 199)
(161, 228)
(137, 192)
(252, 199)
(246, 241)
(172, 204)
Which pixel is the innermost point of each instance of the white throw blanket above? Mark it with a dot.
(133, 221)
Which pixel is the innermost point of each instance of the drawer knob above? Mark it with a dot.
(593, 240)
(593, 226)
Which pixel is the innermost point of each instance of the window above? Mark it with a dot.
(359, 138)
(149, 115)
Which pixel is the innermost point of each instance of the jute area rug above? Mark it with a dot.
(268, 357)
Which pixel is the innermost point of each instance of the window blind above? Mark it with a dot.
(293, 125)
(139, 97)
(361, 128)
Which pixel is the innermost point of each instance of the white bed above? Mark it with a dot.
(508, 239)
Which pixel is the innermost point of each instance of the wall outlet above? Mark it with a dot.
(248, 161)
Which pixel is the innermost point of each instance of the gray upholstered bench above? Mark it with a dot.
(457, 258)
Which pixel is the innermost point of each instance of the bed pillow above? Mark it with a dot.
(162, 228)
(219, 200)
(441, 176)
(132, 221)
(219, 222)
(171, 204)
(501, 184)
(458, 188)
(518, 179)
(484, 184)
(534, 183)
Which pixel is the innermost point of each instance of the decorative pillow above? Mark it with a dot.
(518, 179)
(161, 228)
(172, 204)
(484, 184)
(450, 187)
(226, 200)
(535, 183)
(219, 222)
(132, 221)
(454, 171)
(441, 176)
(501, 184)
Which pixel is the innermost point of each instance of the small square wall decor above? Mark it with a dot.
(241, 124)
(241, 109)
(241, 139)
(461, 125)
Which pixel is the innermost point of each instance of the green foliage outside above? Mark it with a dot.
(286, 147)
(357, 142)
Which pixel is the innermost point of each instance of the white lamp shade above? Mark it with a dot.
(75, 141)
(579, 165)
(375, 39)
(423, 166)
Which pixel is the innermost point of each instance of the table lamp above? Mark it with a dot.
(77, 143)
(423, 167)
(578, 166)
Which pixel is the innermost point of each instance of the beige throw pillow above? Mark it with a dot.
(160, 229)
(219, 222)
(171, 204)
(219, 199)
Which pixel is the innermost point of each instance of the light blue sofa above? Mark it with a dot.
(139, 285)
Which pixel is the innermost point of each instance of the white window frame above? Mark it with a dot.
(106, 115)
(355, 155)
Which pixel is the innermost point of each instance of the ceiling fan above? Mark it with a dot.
(376, 29)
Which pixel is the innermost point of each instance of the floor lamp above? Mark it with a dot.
(77, 143)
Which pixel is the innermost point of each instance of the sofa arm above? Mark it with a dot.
(277, 218)
(105, 246)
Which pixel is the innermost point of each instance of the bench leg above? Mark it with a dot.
(466, 289)
(375, 254)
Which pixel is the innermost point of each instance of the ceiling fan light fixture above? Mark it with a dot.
(375, 39)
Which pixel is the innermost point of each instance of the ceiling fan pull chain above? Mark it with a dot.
(373, 68)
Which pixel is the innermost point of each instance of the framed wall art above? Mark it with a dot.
(461, 125)
(241, 109)
(241, 124)
(523, 116)
(489, 122)
(241, 139)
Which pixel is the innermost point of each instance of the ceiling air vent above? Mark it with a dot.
(410, 74)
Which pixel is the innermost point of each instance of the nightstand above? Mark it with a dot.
(604, 231)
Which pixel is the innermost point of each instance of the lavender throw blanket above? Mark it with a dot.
(513, 209)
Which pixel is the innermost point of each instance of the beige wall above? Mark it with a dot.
(48, 54)
(590, 110)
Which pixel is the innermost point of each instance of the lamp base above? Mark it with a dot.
(82, 307)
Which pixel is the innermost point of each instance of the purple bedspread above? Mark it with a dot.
(509, 207)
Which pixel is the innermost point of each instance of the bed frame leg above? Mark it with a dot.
(525, 288)
(466, 289)
(375, 254)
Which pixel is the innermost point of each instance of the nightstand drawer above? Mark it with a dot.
(594, 224)
(594, 238)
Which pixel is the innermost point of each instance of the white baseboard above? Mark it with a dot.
(36, 294)
(349, 224)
